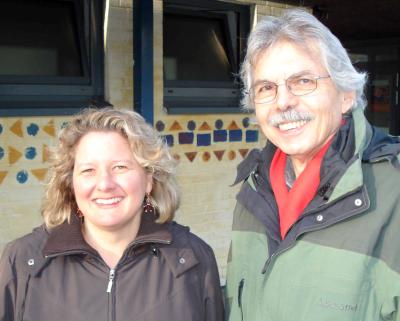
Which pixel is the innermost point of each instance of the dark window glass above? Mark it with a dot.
(44, 39)
(51, 56)
(202, 53)
(204, 42)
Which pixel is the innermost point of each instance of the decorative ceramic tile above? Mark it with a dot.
(251, 136)
(191, 156)
(191, 125)
(243, 152)
(3, 174)
(13, 155)
(203, 139)
(40, 173)
(22, 176)
(169, 139)
(49, 128)
(235, 135)
(220, 135)
(175, 126)
(205, 126)
(206, 156)
(16, 128)
(219, 154)
(186, 138)
(32, 129)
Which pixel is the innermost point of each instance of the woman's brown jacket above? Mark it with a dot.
(166, 274)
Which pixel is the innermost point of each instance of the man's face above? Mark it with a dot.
(313, 118)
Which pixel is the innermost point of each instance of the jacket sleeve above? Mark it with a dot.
(8, 286)
(214, 306)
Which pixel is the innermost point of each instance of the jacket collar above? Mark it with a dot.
(170, 239)
(68, 239)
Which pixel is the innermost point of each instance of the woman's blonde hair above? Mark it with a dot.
(148, 148)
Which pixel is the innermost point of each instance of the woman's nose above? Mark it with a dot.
(105, 181)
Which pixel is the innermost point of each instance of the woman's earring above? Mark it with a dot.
(147, 206)
(80, 215)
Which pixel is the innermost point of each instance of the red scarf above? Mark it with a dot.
(292, 203)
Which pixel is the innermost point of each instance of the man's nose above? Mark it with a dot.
(284, 98)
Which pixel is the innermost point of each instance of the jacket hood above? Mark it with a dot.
(382, 146)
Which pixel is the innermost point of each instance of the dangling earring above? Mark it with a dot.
(148, 208)
(80, 215)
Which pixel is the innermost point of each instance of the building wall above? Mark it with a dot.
(208, 147)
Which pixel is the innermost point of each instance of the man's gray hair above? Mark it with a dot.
(298, 27)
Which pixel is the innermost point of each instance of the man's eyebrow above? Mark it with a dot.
(299, 73)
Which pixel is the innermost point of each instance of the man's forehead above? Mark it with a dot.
(303, 58)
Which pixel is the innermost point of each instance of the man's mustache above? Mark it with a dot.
(288, 116)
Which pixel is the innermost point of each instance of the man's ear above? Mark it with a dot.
(349, 97)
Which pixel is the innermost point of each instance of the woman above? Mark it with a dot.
(108, 249)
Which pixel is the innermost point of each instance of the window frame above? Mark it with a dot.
(38, 95)
(187, 94)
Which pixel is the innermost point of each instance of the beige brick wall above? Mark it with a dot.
(207, 199)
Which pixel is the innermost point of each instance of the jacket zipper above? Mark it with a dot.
(240, 292)
(110, 280)
(110, 295)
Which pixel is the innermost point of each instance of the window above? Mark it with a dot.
(51, 56)
(204, 43)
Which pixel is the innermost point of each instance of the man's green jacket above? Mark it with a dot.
(341, 260)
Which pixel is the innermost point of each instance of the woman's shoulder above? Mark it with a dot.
(183, 237)
(27, 247)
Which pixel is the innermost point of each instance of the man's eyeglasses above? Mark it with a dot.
(265, 92)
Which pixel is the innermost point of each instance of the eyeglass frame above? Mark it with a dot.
(316, 78)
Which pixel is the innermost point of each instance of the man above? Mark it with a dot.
(316, 227)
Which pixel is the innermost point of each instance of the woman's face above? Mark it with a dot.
(109, 185)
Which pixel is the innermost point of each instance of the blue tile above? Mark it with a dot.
(30, 152)
(32, 129)
(219, 123)
(220, 135)
(22, 176)
(186, 138)
(251, 136)
(235, 135)
(191, 125)
(160, 126)
(203, 139)
(169, 139)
